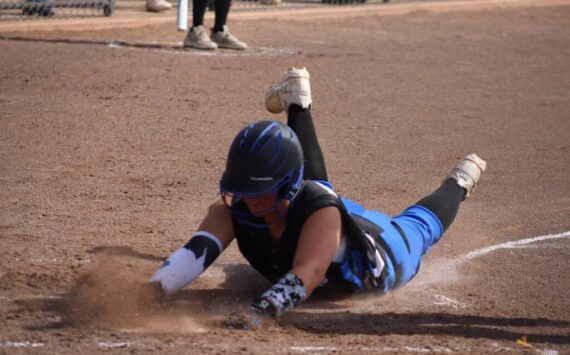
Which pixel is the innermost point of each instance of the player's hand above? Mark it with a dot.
(247, 319)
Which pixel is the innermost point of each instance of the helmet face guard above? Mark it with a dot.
(286, 190)
(264, 159)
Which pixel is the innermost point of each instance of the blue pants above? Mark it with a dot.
(420, 228)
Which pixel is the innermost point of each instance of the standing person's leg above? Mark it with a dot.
(293, 94)
(222, 9)
(220, 33)
(197, 36)
(198, 12)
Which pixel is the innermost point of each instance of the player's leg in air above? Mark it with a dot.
(293, 95)
(424, 223)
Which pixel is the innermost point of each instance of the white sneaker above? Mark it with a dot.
(198, 38)
(468, 173)
(294, 88)
(157, 5)
(225, 40)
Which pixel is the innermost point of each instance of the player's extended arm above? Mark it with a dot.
(318, 243)
(214, 234)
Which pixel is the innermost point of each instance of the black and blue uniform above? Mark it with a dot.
(400, 240)
(377, 251)
(273, 259)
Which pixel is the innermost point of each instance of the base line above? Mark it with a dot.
(480, 252)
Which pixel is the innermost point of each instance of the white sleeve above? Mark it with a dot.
(188, 262)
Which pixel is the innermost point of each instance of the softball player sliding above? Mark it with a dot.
(294, 229)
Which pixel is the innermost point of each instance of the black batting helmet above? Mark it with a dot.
(264, 157)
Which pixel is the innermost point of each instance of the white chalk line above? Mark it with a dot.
(547, 352)
(407, 349)
(21, 344)
(33, 344)
(499, 348)
(31, 298)
(441, 300)
(178, 49)
(115, 345)
(376, 349)
(300, 349)
(311, 349)
(509, 245)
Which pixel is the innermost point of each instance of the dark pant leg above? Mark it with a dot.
(198, 11)
(222, 8)
(301, 121)
(444, 202)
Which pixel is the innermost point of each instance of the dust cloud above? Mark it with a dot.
(113, 293)
(438, 273)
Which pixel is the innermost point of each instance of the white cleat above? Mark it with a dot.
(294, 88)
(199, 39)
(225, 39)
(157, 5)
(468, 173)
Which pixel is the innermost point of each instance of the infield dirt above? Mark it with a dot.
(110, 155)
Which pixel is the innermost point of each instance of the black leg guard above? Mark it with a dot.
(301, 121)
(444, 202)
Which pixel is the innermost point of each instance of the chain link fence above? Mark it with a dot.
(45, 9)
